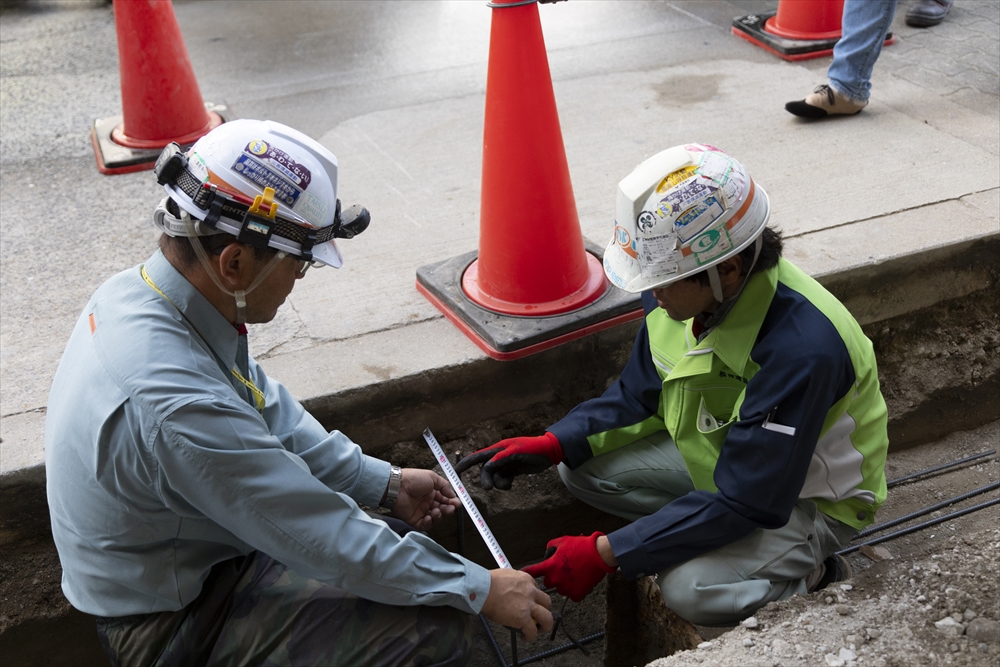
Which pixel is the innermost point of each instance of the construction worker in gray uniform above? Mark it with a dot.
(745, 440)
(199, 511)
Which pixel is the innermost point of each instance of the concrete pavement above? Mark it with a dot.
(396, 91)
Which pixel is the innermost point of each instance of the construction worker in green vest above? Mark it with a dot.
(745, 440)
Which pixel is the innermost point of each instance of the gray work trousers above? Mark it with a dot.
(724, 586)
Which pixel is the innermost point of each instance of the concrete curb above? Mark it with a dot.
(452, 396)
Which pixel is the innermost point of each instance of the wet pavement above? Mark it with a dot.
(396, 91)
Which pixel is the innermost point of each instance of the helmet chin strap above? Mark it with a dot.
(713, 280)
(239, 295)
(725, 305)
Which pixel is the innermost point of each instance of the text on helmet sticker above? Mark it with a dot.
(624, 241)
(312, 209)
(720, 169)
(697, 218)
(710, 245)
(612, 275)
(657, 254)
(271, 167)
(675, 178)
(281, 161)
(197, 167)
(681, 198)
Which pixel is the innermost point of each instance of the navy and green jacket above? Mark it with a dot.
(780, 401)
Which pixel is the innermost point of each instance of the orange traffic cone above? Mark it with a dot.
(533, 285)
(798, 30)
(161, 102)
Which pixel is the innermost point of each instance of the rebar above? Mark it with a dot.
(927, 510)
(899, 480)
(572, 643)
(919, 526)
(561, 649)
(493, 640)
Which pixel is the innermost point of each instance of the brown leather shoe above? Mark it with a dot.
(925, 13)
(823, 102)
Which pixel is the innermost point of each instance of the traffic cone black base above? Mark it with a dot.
(113, 158)
(751, 28)
(507, 337)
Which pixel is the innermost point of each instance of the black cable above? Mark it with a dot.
(927, 510)
(899, 480)
(919, 526)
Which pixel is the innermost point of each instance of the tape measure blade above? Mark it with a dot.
(463, 495)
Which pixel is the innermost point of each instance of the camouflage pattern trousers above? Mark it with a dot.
(255, 611)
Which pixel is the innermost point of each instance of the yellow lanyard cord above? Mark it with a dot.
(258, 395)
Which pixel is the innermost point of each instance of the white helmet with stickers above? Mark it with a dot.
(284, 179)
(680, 212)
(264, 183)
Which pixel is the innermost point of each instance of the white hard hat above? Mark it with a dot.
(263, 182)
(680, 212)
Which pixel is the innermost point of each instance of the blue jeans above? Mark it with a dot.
(864, 26)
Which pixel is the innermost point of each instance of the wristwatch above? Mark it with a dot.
(392, 491)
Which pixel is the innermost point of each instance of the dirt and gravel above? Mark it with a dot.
(935, 602)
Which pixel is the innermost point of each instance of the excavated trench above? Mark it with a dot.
(940, 373)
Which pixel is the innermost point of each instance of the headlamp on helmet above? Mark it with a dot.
(266, 184)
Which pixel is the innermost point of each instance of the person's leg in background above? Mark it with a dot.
(925, 13)
(864, 27)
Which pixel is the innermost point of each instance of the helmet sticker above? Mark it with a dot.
(257, 147)
(624, 240)
(646, 221)
(657, 254)
(271, 167)
(720, 169)
(675, 178)
(197, 167)
(683, 197)
(280, 160)
(697, 218)
(710, 245)
(312, 209)
(699, 148)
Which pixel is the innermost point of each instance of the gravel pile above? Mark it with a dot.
(938, 608)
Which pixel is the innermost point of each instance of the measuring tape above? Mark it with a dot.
(463, 495)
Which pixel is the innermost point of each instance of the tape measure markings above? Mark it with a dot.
(463, 495)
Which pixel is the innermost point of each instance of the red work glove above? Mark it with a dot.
(511, 457)
(572, 566)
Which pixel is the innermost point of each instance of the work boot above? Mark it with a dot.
(835, 568)
(825, 101)
(925, 13)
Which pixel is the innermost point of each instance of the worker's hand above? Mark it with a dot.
(516, 602)
(573, 565)
(511, 457)
(424, 497)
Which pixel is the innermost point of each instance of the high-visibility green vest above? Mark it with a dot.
(704, 384)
